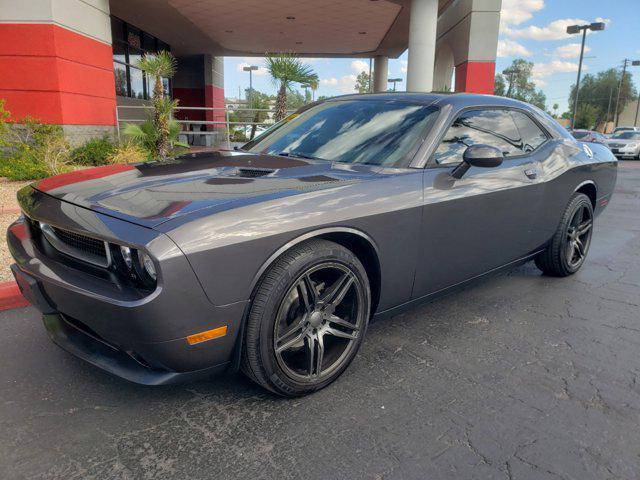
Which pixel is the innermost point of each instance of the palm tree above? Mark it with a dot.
(159, 133)
(287, 69)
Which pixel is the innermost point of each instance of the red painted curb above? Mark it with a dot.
(10, 296)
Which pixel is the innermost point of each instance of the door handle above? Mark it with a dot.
(532, 173)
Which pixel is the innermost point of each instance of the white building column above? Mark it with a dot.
(422, 45)
(380, 73)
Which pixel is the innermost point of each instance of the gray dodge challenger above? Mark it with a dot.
(274, 258)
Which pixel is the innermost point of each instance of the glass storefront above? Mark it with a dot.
(129, 44)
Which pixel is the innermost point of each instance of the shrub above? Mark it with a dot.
(4, 125)
(35, 150)
(127, 152)
(95, 152)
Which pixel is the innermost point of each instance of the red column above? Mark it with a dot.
(56, 75)
(475, 77)
(214, 98)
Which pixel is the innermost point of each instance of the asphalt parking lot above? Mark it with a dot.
(520, 377)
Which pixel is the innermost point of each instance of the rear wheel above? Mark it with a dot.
(307, 320)
(569, 247)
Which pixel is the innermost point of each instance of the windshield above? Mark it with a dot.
(352, 131)
(579, 135)
(628, 135)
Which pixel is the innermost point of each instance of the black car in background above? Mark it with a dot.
(274, 259)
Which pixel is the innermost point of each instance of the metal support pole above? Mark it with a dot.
(575, 100)
(227, 127)
(635, 122)
(250, 89)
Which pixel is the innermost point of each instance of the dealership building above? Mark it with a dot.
(73, 62)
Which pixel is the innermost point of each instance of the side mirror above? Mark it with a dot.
(483, 156)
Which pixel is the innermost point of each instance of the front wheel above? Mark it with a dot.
(569, 247)
(307, 319)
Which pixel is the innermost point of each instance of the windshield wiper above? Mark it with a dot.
(300, 155)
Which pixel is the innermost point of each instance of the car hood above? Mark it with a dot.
(621, 141)
(152, 193)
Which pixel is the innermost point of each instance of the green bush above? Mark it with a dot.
(35, 150)
(20, 168)
(94, 152)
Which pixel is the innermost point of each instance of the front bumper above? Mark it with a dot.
(139, 339)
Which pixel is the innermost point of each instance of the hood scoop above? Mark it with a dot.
(254, 172)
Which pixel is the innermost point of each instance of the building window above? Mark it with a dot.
(129, 44)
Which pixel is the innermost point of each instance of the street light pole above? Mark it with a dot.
(250, 69)
(394, 81)
(596, 26)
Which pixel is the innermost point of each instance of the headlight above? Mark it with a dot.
(126, 256)
(135, 265)
(148, 265)
(632, 146)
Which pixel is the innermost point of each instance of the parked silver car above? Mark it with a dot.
(625, 144)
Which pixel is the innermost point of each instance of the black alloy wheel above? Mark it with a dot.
(308, 318)
(318, 321)
(568, 248)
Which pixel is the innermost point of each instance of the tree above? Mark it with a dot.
(555, 110)
(600, 91)
(363, 82)
(295, 100)
(258, 114)
(499, 85)
(159, 133)
(586, 116)
(285, 70)
(516, 83)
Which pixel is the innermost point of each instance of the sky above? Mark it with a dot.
(530, 29)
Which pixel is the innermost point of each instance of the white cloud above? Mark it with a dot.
(556, 30)
(260, 72)
(542, 70)
(510, 48)
(329, 82)
(515, 12)
(345, 84)
(570, 50)
(360, 66)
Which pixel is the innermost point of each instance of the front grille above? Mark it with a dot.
(81, 242)
(82, 247)
(616, 145)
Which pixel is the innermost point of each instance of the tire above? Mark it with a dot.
(307, 319)
(569, 246)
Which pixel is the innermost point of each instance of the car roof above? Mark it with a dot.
(457, 100)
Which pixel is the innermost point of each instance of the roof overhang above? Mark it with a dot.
(318, 28)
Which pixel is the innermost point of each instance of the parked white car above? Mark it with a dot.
(625, 144)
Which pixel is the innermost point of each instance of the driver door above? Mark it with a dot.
(489, 217)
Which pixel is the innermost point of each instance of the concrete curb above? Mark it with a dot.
(10, 296)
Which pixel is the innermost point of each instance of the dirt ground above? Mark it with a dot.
(8, 213)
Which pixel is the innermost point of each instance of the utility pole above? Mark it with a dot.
(370, 73)
(624, 70)
(634, 63)
(596, 26)
(606, 120)
(635, 122)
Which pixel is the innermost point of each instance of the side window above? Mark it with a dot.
(532, 136)
(491, 127)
